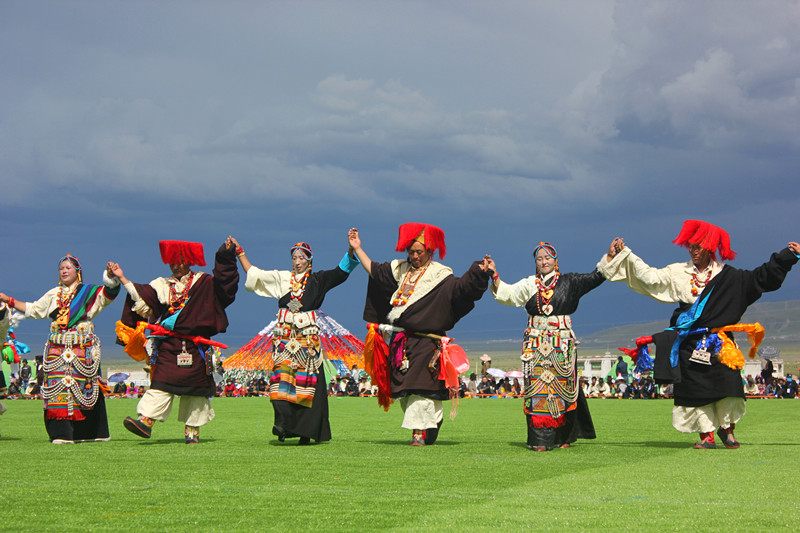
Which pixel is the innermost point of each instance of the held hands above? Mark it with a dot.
(487, 263)
(231, 243)
(795, 247)
(114, 270)
(353, 239)
(616, 246)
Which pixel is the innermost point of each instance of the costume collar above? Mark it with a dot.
(433, 275)
(183, 280)
(546, 279)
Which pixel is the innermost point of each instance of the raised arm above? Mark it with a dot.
(355, 244)
(12, 303)
(239, 253)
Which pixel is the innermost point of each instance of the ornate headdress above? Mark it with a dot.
(303, 247)
(429, 236)
(551, 251)
(706, 236)
(76, 264)
(182, 252)
(547, 247)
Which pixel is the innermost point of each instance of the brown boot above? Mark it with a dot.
(142, 426)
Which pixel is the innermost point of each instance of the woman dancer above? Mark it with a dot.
(297, 385)
(74, 407)
(555, 407)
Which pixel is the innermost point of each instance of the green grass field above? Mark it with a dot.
(638, 474)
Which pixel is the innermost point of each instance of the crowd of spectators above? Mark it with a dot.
(357, 383)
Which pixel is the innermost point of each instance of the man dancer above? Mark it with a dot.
(184, 311)
(695, 353)
(421, 299)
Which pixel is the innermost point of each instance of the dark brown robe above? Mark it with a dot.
(203, 315)
(436, 312)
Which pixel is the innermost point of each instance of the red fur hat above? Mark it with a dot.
(177, 252)
(430, 236)
(706, 236)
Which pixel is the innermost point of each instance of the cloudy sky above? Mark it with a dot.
(505, 123)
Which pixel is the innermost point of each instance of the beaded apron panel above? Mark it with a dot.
(71, 365)
(548, 362)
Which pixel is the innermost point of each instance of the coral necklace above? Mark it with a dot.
(410, 281)
(545, 294)
(177, 301)
(697, 284)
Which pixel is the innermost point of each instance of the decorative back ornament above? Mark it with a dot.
(182, 252)
(429, 236)
(707, 236)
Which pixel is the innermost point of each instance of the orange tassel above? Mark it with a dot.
(729, 353)
(134, 340)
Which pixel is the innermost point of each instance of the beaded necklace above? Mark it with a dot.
(545, 294)
(65, 297)
(410, 281)
(697, 284)
(178, 300)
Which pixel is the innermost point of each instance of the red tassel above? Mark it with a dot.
(433, 237)
(707, 236)
(182, 252)
(376, 363)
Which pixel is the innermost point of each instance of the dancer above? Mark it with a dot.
(184, 311)
(420, 299)
(693, 353)
(297, 384)
(5, 324)
(74, 405)
(556, 410)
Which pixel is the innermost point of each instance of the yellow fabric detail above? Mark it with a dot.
(369, 350)
(729, 353)
(134, 340)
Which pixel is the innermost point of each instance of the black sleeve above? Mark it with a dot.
(769, 276)
(226, 276)
(469, 289)
(587, 282)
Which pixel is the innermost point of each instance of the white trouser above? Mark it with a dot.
(420, 413)
(194, 411)
(709, 417)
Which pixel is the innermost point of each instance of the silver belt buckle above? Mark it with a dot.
(702, 357)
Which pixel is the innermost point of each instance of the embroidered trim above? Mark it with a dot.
(434, 275)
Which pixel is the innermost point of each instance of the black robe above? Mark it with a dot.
(436, 312)
(732, 291)
(203, 315)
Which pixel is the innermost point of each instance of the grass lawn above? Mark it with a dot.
(639, 473)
